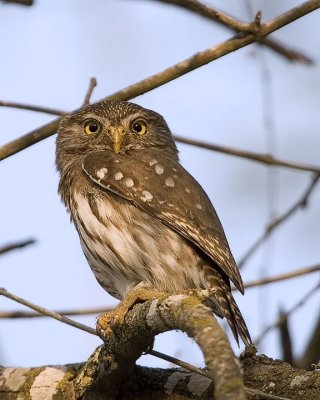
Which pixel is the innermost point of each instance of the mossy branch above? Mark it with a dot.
(111, 371)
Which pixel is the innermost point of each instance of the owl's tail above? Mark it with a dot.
(224, 305)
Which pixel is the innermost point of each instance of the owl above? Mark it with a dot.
(142, 219)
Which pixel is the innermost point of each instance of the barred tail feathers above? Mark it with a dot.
(224, 305)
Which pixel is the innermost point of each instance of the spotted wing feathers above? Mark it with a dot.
(163, 188)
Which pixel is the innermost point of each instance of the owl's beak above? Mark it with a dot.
(117, 139)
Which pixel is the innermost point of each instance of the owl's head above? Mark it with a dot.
(116, 126)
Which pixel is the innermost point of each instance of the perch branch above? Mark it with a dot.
(171, 73)
(84, 380)
(100, 310)
(128, 341)
(43, 312)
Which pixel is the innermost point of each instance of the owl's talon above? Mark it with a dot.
(106, 322)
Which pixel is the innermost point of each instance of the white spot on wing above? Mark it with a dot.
(152, 162)
(118, 176)
(187, 190)
(169, 181)
(129, 182)
(146, 196)
(199, 206)
(101, 173)
(159, 169)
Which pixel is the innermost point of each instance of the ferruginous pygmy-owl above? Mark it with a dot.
(141, 217)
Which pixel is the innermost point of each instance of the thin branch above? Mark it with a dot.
(311, 354)
(92, 85)
(171, 73)
(260, 157)
(282, 277)
(21, 2)
(289, 53)
(298, 305)
(30, 107)
(213, 14)
(88, 311)
(302, 202)
(285, 338)
(17, 245)
(236, 25)
(44, 311)
(31, 314)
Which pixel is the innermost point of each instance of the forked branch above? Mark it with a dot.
(197, 60)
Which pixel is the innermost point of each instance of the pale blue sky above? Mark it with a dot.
(49, 52)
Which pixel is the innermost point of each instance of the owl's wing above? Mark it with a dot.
(163, 188)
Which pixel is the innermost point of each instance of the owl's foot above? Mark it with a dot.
(105, 322)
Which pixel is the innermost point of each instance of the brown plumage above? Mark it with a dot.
(141, 217)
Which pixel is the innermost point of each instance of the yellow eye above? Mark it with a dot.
(139, 126)
(91, 126)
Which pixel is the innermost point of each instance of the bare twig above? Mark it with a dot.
(263, 158)
(31, 314)
(300, 203)
(285, 338)
(299, 304)
(258, 157)
(213, 14)
(21, 2)
(282, 277)
(311, 354)
(236, 25)
(92, 85)
(44, 311)
(30, 107)
(17, 245)
(87, 311)
(171, 73)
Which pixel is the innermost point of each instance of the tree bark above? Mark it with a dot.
(111, 372)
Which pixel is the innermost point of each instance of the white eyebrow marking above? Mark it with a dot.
(169, 181)
(159, 169)
(101, 173)
(118, 176)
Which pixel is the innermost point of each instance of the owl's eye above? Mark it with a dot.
(91, 126)
(139, 126)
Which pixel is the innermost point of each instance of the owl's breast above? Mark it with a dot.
(125, 246)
